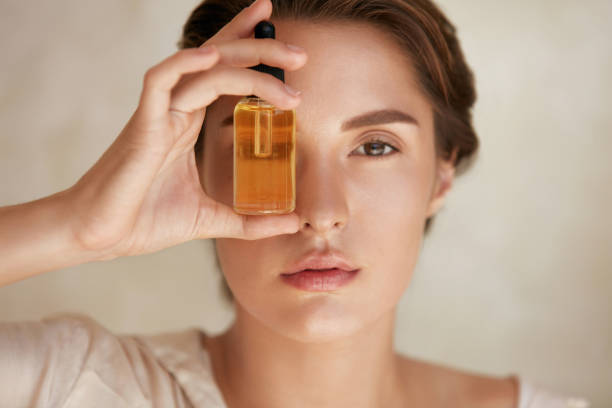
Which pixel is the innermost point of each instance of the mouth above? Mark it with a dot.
(319, 280)
(320, 271)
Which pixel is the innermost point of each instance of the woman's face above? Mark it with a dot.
(368, 201)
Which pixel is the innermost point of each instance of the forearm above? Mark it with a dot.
(37, 237)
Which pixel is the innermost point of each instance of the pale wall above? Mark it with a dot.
(516, 274)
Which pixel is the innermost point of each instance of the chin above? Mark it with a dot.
(317, 319)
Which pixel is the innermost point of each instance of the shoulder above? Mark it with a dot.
(78, 360)
(70, 337)
(186, 355)
(67, 359)
(457, 388)
(534, 395)
(64, 333)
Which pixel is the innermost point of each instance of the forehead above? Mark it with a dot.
(352, 67)
(345, 48)
(349, 62)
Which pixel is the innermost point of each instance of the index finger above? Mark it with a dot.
(243, 24)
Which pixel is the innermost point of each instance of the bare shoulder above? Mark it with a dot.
(457, 388)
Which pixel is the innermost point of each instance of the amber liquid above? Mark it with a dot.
(264, 158)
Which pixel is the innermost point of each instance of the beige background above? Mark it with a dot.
(516, 274)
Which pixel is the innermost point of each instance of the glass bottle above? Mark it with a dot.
(264, 149)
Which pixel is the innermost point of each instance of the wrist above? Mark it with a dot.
(39, 236)
(65, 206)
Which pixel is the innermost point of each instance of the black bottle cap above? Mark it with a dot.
(265, 29)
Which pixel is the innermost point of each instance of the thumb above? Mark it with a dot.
(264, 226)
(221, 221)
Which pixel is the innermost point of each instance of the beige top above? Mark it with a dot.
(69, 360)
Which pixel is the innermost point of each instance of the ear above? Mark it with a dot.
(445, 175)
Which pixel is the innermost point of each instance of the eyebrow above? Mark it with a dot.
(377, 117)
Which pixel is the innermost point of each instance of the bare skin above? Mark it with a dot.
(402, 381)
(334, 349)
(144, 193)
(149, 191)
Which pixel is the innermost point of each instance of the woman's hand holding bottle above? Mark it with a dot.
(144, 193)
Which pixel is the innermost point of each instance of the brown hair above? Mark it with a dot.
(419, 27)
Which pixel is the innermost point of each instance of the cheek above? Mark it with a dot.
(256, 267)
(389, 199)
(387, 220)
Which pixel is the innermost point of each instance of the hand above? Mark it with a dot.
(144, 193)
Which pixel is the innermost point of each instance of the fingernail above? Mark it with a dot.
(292, 91)
(295, 48)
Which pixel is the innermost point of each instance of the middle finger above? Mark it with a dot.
(252, 51)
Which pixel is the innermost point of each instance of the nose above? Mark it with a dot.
(321, 202)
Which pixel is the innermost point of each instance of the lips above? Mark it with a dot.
(320, 271)
(320, 280)
(316, 260)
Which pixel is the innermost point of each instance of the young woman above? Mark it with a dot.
(383, 122)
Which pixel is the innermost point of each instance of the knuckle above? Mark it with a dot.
(220, 76)
(150, 76)
(214, 79)
(265, 85)
(233, 59)
(186, 53)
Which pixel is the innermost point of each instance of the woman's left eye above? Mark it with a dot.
(376, 148)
